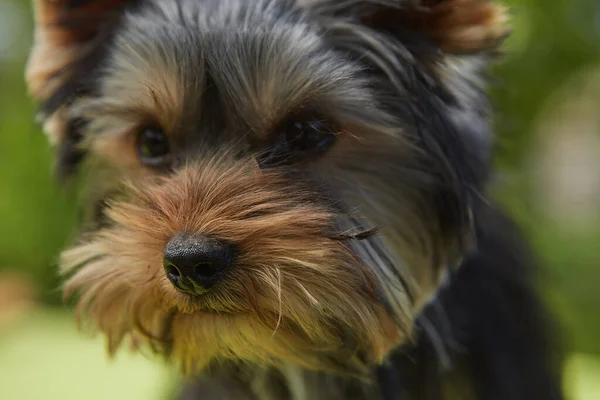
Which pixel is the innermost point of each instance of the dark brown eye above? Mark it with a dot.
(297, 140)
(153, 147)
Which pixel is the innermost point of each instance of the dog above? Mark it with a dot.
(286, 199)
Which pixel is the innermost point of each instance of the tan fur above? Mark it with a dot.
(136, 96)
(465, 26)
(62, 34)
(146, 89)
(456, 26)
(296, 295)
(55, 126)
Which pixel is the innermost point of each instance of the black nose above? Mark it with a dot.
(195, 263)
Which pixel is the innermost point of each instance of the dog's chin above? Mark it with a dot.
(226, 325)
(210, 336)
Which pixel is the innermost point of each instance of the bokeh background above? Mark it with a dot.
(548, 95)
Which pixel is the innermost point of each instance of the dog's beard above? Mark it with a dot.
(297, 293)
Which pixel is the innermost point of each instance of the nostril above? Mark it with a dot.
(204, 269)
(172, 272)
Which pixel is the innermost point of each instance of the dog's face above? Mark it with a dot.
(271, 181)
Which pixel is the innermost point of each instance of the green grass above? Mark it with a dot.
(36, 214)
(44, 358)
(582, 377)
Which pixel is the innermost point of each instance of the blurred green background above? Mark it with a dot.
(548, 95)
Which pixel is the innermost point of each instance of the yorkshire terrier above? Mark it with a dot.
(285, 199)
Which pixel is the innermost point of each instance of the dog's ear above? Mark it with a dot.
(454, 26)
(64, 33)
(69, 38)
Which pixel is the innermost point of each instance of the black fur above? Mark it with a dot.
(489, 325)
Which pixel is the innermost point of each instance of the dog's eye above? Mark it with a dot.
(296, 140)
(153, 147)
(303, 136)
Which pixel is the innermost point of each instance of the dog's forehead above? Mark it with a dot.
(265, 59)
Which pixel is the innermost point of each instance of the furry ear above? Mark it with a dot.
(69, 40)
(64, 32)
(454, 26)
(69, 34)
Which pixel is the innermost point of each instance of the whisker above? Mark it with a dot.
(279, 289)
(311, 298)
(361, 235)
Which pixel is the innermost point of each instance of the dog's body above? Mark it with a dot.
(302, 215)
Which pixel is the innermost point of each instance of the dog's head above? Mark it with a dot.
(271, 181)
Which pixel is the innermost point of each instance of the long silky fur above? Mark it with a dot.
(376, 270)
